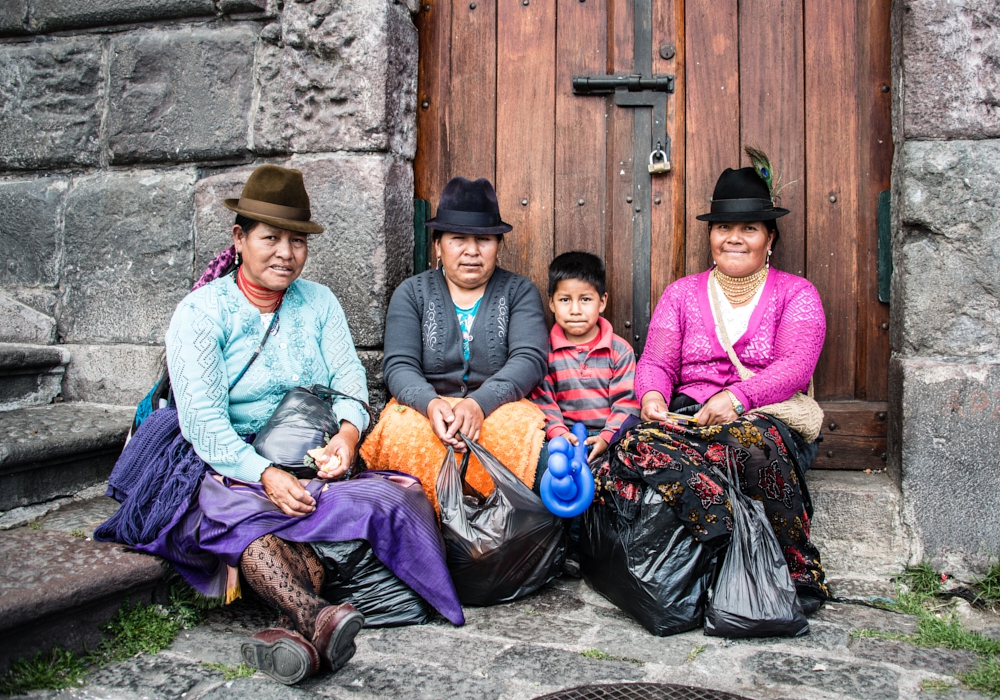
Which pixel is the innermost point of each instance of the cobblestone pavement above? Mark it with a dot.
(533, 646)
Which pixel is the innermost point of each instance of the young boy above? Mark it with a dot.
(591, 370)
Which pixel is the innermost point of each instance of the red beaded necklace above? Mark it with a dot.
(263, 298)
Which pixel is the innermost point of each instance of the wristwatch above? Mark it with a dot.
(737, 406)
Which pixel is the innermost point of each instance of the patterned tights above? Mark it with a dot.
(287, 575)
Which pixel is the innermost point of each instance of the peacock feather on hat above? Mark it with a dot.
(762, 164)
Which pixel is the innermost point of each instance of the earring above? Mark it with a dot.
(438, 266)
(238, 260)
(768, 263)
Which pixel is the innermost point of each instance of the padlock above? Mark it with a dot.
(658, 162)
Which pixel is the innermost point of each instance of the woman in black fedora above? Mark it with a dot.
(465, 343)
(735, 346)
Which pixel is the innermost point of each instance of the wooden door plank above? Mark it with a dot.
(831, 185)
(772, 111)
(875, 131)
(526, 41)
(711, 35)
(856, 418)
(430, 167)
(581, 128)
(851, 452)
(471, 110)
(621, 147)
(667, 233)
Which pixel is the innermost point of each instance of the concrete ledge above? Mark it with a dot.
(57, 450)
(857, 524)
(57, 589)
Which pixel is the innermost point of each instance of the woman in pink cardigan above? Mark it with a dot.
(775, 323)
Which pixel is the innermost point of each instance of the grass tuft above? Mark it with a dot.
(34, 525)
(985, 677)
(138, 629)
(921, 579)
(604, 656)
(989, 585)
(694, 653)
(52, 671)
(937, 686)
(78, 533)
(231, 672)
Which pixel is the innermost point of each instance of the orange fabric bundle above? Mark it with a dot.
(404, 440)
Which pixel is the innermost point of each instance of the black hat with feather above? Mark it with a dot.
(747, 194)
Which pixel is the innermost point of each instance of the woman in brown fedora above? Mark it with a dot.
(465, 343)
(194, 490)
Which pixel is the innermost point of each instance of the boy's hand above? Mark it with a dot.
(600, 447)
(570, 438)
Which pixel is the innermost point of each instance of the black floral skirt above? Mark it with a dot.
(679, 462)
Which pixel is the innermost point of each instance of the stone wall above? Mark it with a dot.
(126, 122)
(945, 372)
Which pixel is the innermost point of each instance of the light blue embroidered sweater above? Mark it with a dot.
(213, 333)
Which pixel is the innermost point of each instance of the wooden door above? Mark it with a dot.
(805, 80)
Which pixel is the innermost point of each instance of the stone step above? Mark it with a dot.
(58, 586)
(858, 528)
(30, 375)
(55, 451)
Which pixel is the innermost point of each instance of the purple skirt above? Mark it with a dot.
(213, 519)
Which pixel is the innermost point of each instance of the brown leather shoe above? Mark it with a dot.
(336, 627)
(284, 655)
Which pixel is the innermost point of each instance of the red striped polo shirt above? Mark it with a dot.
(594, 386)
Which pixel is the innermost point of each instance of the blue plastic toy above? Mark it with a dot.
(567, 486)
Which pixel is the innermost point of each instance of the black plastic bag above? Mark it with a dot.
(754, 595)
(355, 575)
(651, 568)
(501, 546)
(302, 421)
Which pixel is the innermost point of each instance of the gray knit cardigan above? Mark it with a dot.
(423, 342)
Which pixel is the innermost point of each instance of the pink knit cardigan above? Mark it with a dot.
(781, 344)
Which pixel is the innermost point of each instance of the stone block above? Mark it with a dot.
(213, 223)
(948, 232)
(52, 95)
(950, 51)
(13, 17)
(52, 15)
(857, 523)
(30, 375)
(178, 95)
(30, 230)
(20, 323)
(127, 255)
(948, 413)
(112, 374)
(337, 76)
(365, 202)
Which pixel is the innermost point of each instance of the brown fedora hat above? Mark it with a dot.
(276, 196)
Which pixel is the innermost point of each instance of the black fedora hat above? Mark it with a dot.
(469, 207)
(742, 195)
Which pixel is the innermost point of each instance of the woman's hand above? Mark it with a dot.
(466, 418)
(718, 410)
(654, 406)
(339, 454)
(286, 492)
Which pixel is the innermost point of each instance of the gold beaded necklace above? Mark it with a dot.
(739, 290)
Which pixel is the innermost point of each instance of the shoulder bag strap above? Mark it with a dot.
(720, 322)
(272, 329)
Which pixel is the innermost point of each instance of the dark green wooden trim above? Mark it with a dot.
(421, 235)
(884, 245)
